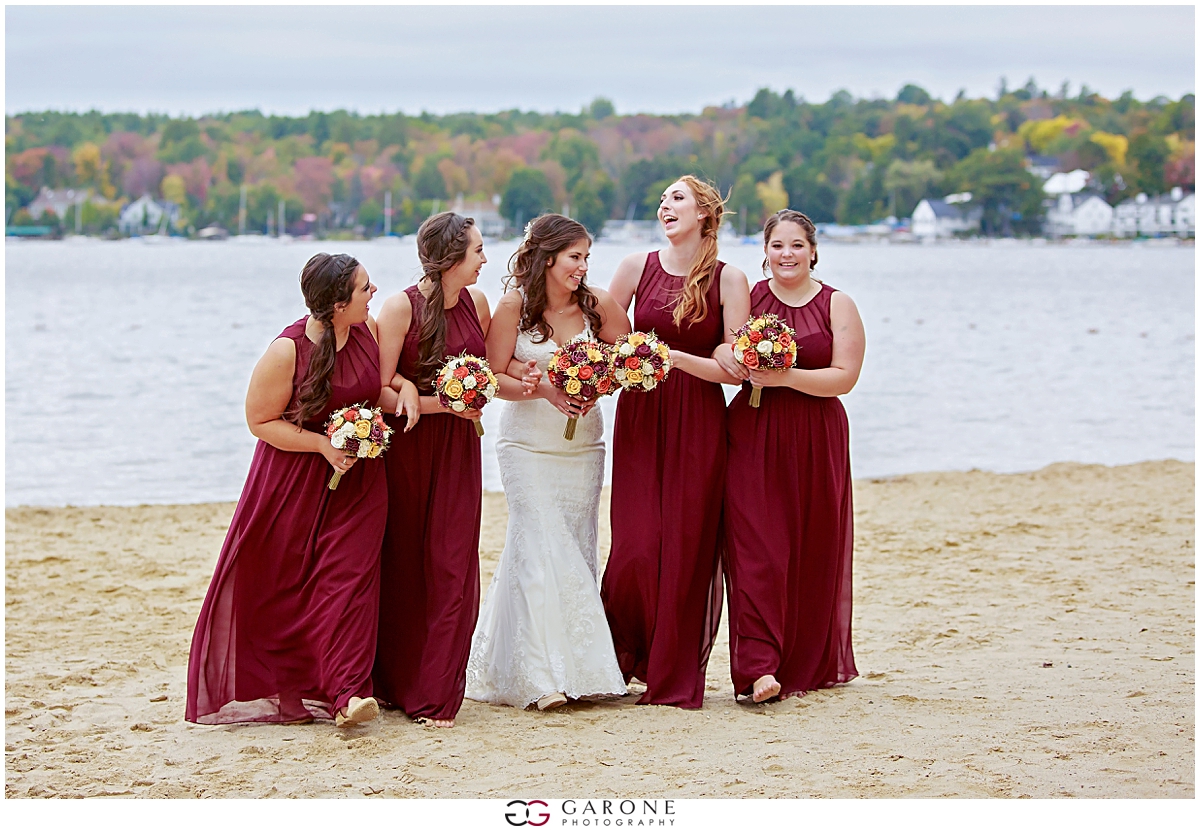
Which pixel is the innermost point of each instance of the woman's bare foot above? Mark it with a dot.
(765, 688)
(442, 724)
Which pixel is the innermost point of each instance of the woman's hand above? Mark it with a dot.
(531, 378)
(768, 377)
(469, 414)
(723, 354)
(337, 459)
(409, 404)
(563, 402)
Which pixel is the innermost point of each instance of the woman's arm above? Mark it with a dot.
(481, 308)
(394, 320)
(614, 322)
(502, 342)
(849, 345)
(268, 396)
(625, 279)
(735, 310)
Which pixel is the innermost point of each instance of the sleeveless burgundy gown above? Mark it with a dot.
(287, 629)
(429, 596)
(662, 584)
(789, 523)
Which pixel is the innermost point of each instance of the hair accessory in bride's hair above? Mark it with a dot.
(528, 232)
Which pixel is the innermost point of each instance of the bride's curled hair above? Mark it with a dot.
(327, 281)
(548, 236)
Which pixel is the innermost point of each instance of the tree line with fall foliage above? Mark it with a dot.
(847, 160)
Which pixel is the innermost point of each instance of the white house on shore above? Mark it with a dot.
(1079, 214)
(145, 215)
(941, 218)
(1171, 213)
(58, 202)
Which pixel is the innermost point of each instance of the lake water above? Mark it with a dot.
(126, 362)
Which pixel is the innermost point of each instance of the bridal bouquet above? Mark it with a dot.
(466, 382)
(581, 369)
(765, 342)
(640, 361)
(358, 431)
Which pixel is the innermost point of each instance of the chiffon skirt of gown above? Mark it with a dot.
(789, 529)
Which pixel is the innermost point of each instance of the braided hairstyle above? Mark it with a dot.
(549, 235)
(442, 242)
(789, 215)
(326, 282)
(692, 305)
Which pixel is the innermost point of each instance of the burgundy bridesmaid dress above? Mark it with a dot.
(287, 629)
(662, 585)
(429, 597)
(789, 523)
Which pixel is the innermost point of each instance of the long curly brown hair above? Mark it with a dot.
(692, 304)
(326, 281)
(549, 236)
(442, 242)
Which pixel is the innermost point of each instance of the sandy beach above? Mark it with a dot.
(1023, 635)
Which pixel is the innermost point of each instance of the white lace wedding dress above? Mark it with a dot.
(542, 628)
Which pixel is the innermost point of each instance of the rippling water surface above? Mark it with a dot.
(126, 363)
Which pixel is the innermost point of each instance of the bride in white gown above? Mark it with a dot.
(542, 636)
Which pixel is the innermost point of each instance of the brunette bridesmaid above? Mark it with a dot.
(662, 585)
(788, 522)
(287, 630)
(429, 597)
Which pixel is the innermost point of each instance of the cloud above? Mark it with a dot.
(289, 60)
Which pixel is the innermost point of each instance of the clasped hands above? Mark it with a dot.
(537, 385)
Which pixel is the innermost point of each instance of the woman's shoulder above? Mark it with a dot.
(296, 329)
(511, 301)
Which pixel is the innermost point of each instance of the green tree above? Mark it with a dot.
(810, 192)
(577, 154)
(639, 178)
(746, 205)
(586, 206)
(429, 183)
(908, 182)
(1011, 196)
(913, 94)
(601, 108)
(370, 216)
(1148, 156)
(527, 196)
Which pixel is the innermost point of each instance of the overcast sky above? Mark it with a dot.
(660, 59)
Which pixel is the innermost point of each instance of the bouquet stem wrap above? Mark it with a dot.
(569, 432)
(479, 428)
(755, 396)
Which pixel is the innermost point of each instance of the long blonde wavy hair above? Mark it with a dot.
(692, 304)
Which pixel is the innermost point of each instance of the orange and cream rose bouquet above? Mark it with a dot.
(358, 431)
(640, 361)
(466, 382)
(581, 369)
(765, 342)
